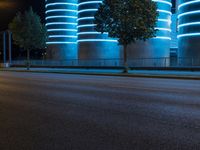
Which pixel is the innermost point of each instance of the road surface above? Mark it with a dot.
(73, 112)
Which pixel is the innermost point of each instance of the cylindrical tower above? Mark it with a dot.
(155, 52)
(189, 32)
(61, 23)
(91, 44)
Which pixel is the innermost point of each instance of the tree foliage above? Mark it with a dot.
(127, 20)
(28, 31)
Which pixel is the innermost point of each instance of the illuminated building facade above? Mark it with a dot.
(158, 47)
(72, 35)
(92, 44)
(189, 31)
(61, 23)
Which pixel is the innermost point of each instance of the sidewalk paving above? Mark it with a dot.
(114, 72)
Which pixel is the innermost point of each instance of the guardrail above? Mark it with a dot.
(138, 62)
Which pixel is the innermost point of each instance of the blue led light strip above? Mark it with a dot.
(162, 37)
(188, 3)
(164, 29)
(87, 10)
(54, 4)
(108, 40)
(85, 18)
(67, 33)
(188, 24)
(60, 10)
(60, 23)
(86, 25)
(97, 40)
(48, 43)
(188, 35)
(72, 30)
(189, 13)
(83, 33)
(164, 11)
(165, 20)
(161, 1)
(51, 17)
(92, 2)
(62, 36)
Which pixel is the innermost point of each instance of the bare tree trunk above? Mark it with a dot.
(125, 60)
(28, 60)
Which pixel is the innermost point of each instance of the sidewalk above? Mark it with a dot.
(114, 72)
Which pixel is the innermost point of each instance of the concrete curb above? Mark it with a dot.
(111, 74)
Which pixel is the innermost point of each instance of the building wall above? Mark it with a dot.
(174, 39)
(155, 50)
(174, 33)
(61, 23)
(72, 35)
(189, 31)
(91, 44)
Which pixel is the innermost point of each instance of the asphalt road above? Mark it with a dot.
(73, 112)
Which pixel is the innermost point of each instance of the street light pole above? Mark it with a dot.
(5, 39)
(10, 46)
(4, 47)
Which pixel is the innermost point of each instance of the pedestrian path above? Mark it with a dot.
(115, 72)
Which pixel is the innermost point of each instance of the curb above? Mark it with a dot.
(112, 74)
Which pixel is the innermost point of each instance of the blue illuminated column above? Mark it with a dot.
(61, 23)
(91, 44)
(155, 50)
(189, 31)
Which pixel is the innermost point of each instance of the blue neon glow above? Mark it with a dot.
(188, 3)
(61, 10)
(91, 18)
(188, 24)
(189, 13)
(165, 36)
(62, 32)
(62, 36)
(183, 14)
(61, 23)
(51, 17)
(162, 37)
(165, 20)
(54, 4)
(164, 29)
(86, 25)
(188, 35)
(59, 42)
(84, 33)
(87, 10)
(97, 40)
(164, 11)
(162, 1)
(92, 2)
(85, 18)
(77, 27)
(72, 30)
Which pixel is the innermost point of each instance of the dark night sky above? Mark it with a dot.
(9, 8)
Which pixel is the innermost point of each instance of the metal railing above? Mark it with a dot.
(73, 62)
(138, 62)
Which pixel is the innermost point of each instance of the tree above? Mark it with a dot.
(127, 20)
(28, 32)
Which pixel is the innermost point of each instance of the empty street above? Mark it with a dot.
(76, 112)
